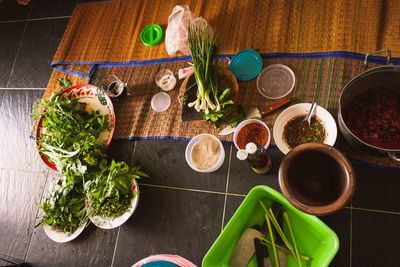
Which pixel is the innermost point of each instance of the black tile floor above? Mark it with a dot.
(180, 211)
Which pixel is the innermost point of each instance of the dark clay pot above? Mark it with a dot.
(316, 178)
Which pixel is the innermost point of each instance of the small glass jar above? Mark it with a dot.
(165, 79)
(113, 86)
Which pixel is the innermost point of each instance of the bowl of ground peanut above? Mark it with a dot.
(205, 153)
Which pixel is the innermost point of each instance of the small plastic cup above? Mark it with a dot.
(160, 102)
(165, 79)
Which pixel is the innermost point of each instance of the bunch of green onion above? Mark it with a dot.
(204, 53)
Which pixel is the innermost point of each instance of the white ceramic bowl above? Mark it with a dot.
(60, 237)
(113, 222)
(302, 109)
(244, 123)
(189, 148)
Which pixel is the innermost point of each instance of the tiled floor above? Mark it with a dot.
(180, 211)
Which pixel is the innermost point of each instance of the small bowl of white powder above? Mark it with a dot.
(205, 153)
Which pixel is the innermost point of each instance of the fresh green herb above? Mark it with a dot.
(242, 113)
(64, 83)
(211, 100)
(71, 139)
(64, 210)
(109, 193)
(71, 134)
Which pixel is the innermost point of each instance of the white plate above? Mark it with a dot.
(113, 222)
(302, 109)
(61, 237)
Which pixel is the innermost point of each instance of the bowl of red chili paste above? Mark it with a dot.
(251, 131)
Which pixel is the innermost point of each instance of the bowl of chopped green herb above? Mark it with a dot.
(111, 222)
(290, 129)
(112, 197)
(63, 213)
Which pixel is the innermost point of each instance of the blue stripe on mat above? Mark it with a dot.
(71, 72)
(316, 55)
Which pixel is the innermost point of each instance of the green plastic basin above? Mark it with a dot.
(313, 237)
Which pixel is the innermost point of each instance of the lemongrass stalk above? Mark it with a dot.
(272, 240)
(279, 230)
(283, 249)
(271, 216)
(286, 217)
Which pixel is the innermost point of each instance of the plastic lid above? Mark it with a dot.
(151, 35)
(276, 81)
(241, 154)
(251, 148)
(246, 65)
(160, 102)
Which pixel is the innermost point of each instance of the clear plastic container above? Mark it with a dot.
(276, 81)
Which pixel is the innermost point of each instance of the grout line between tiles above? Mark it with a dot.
(226, 188)
(236, 195)
(18, 49)
(36, 19)
(115, 247)
(378, 211)
(133, 154)
(192, 190)
(36, 215)
(183, 189)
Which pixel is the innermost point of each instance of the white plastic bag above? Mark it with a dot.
(177, 30)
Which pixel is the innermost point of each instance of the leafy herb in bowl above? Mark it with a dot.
(73, 133)
(112, 194)
(70, 134)
(64, 209)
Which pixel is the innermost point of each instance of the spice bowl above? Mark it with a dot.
(205, 153)
(323, 116)
(246, 133)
